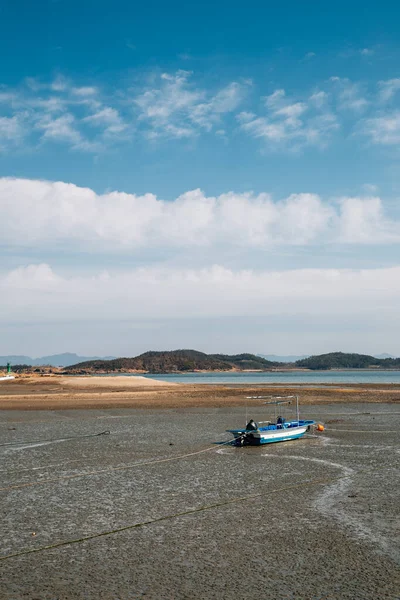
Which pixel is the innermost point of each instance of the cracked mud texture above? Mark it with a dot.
(315, 518)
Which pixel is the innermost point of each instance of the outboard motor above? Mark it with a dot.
(246, 439)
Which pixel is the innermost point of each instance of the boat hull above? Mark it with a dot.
(268, 436)
(259, 438)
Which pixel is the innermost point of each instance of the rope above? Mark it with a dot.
(52, 466)
(363, 430)
(132, 466)
(102, 471)
(178, 514)
(175, 515)
(64, 439)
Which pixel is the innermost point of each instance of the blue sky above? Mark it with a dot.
(165, 150)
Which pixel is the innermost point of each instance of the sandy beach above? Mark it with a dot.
(62, 393)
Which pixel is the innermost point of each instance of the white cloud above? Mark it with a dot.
(352, 52)
(261, 127)
(351, 96)
(51, 105)
(275, 99)
(106, 115)
(388, 89)
(291, 124)
(84, 119)
(319, 99)
(209, 113)
(84, 91)
(108, 119)
(292, 111)
(61, 112)
(367, 51)
(209, 292)
(12, 131)
(280, 106)
(63, 129)
(173, 96)
(9, 128)
(370, 188)
(384, 129)
(75, 217)
(177, 108)
(7, 97)
(363, 221)
(60, 128)
(60, 84)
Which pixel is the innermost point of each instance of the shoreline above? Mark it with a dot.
(49, 371)
(62, 393)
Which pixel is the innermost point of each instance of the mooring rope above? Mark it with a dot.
(111, 469)
(181, 513)
(372, 430)
(191, 511)
(63, 439)
(175, 515)
(52, 466)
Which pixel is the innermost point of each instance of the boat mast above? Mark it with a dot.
(297, 409)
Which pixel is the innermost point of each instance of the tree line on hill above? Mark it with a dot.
(181, 361)
(178, 361)
(192, 360)
(342, 360)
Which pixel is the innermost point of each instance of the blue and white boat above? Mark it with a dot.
(278, 429)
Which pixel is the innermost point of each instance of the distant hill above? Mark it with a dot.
(55, 360)
(246, 361)
(342, 360)
(174, 361)
(283, 359)
(178, 361)
(16, 359)
(293, 358)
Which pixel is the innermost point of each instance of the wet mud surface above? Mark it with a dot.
(315, 518)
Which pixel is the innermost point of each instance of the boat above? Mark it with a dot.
(279, 429)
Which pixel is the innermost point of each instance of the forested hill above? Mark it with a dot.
(178, 361)
(246, 361)
(342, 360)
(175, 361)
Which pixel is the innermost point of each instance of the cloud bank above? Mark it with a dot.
(41, 293)
(41, 214)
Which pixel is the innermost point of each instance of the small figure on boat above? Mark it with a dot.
(280, 429)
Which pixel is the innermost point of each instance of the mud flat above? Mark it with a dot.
(155, 509)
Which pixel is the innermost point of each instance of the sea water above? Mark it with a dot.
(271, 377)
